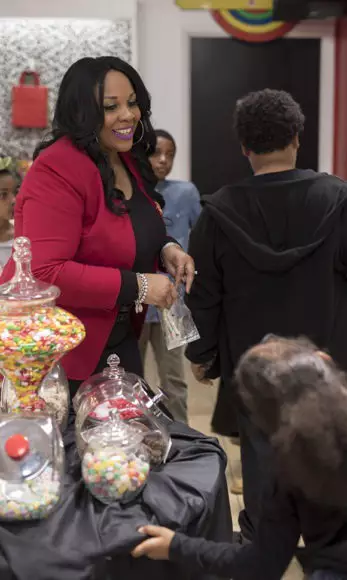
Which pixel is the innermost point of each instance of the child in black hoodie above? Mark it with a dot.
(271, 256)
(297, 398)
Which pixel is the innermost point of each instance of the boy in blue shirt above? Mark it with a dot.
(181, 211)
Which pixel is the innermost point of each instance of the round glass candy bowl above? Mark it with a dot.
(54, 390)
(115, 464)
(31, 466)
(34, 333)
(152, 401)
(109, 390)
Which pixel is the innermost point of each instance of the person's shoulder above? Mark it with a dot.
(180, 184)
(222, 194)
(64, 156)
(329, 186)
(63, 168)
(181, 191)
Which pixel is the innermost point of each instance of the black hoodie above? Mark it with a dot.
(271, 256)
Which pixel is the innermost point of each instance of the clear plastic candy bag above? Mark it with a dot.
(177, 324)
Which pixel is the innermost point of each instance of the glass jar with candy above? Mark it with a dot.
(115, 464)
(31, 466)
(54, 390)
(34, 335)
(112, 389)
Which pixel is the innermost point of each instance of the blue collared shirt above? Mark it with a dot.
(181, 212)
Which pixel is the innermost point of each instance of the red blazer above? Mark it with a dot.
(77, 243)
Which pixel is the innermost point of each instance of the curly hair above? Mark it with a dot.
(267, 121)
(299, 399)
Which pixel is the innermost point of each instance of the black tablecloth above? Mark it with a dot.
(77, 541)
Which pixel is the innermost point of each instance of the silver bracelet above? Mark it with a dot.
(167, 246)
(143, 291)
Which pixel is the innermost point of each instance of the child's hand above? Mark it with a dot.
(157, 547)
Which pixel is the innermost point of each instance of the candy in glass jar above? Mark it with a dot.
(34, 333)
(115, 464)
(31, 466)
(154, 401)
(112, 389)
(54, 390)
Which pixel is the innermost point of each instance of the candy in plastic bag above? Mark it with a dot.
(178, 325)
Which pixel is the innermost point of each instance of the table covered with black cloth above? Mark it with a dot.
(86, 540)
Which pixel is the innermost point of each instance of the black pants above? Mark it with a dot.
(257, 471)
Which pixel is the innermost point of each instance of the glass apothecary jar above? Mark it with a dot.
(54, 391)
(115, 464)
(109, 390)
(152, 401)
(34, 333)
(31, 466)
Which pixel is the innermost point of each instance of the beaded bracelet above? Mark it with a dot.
(143, 291)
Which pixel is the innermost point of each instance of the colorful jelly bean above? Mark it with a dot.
(30, 500)
(112, 475)
(29, 347)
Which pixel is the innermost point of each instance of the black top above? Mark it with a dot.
(150, 236)
(271, 253)
(285, 517)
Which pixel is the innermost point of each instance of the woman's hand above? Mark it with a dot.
(158, 546)
(179, 265)
(161, 291)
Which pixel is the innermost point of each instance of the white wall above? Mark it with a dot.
(96, 9)
(164, 33)
(67, 8)
(161, 50)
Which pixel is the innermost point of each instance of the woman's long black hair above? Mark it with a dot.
(79, 115)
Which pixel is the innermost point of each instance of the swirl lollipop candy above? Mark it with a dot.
(34, 333)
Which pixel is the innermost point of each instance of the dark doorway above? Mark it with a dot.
(222, 71)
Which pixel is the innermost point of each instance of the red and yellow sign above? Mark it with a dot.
(225, 4)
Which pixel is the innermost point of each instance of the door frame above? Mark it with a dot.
(195, 24)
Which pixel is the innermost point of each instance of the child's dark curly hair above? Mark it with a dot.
(268, 121)
(298, 397)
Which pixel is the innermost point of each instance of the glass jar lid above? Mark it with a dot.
(111, 379)
(133, 387)
(25, 449)
(113, 433)
(23, 290)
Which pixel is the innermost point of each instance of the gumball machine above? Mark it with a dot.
(34, 335)
(31, 466)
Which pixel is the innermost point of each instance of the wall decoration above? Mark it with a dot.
(30, 102)
(251, 25)
(225, 4)
(49, 47)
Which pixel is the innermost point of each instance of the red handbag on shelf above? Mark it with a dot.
(30, 103)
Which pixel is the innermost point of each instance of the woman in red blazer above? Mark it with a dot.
(88, 207)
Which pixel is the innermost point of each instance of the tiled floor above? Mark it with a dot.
(201, 404)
